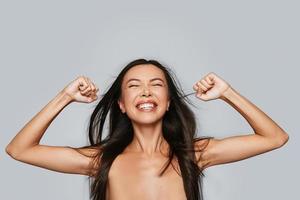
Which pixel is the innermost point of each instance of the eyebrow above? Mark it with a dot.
(153, 79)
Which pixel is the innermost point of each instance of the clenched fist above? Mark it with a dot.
(82, 89)
(210, 87)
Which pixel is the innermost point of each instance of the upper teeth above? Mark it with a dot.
(146, 105)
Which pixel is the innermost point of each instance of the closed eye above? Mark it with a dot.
(133, 86)
(137, 85)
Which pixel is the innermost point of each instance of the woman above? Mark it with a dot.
(151, 151)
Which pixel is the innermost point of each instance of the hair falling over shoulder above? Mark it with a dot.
(179, 130)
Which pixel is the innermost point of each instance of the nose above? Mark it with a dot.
(145, 92)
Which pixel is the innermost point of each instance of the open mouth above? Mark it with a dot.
(148, 107)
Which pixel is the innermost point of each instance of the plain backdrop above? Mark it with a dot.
(253, 45)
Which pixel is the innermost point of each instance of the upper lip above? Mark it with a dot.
(146, 101)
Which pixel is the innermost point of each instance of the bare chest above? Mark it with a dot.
(134, 177)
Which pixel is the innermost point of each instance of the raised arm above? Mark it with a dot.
(267, 134)
(25, 145)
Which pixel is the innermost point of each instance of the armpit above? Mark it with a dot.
(200, 147)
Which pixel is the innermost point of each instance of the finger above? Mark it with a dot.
(195, 87)
(92, 91)
(199, 92)
(95, 89)
(83, 84)
(205, 84)
(87, 80)
(88, 88)
(94, 96)
(91, 84)
(202, 86)
(87, 91)
(211, 77)
(209, 80)
(89, 99)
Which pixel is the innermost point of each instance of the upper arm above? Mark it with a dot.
(61, 159)
(234, 148)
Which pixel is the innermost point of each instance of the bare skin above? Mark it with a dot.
(143, 159)
(134, 173)
(135, 176)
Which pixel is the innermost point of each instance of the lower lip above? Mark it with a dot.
(150, 110)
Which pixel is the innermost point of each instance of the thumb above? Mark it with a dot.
(202, 96)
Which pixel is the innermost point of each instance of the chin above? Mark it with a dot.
(146, 122)
(144, 119)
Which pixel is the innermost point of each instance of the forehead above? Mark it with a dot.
(144, 72)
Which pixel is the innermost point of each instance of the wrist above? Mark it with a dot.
(227, 94)
(65, 96)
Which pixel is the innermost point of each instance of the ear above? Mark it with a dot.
(121, 105)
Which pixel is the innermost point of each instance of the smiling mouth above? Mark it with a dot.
(148, 107)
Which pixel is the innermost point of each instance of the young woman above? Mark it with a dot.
(151, 150)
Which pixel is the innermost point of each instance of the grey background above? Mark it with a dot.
(253, 45)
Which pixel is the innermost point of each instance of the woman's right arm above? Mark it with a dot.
(25, 145)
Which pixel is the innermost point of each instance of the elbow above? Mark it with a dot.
(10, 152)
(283, 139)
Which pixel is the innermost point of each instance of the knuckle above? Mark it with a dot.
(207, 79)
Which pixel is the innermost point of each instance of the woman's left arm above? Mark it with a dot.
(267, 134)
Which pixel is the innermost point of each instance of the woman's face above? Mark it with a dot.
(142, 84)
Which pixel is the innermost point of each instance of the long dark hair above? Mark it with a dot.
(179, 130)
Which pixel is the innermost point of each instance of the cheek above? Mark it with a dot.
(129, 99)
(162, 95)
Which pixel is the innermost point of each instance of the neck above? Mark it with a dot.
(148, 139)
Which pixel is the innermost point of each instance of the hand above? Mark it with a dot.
(82, 89)
(210, 87)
